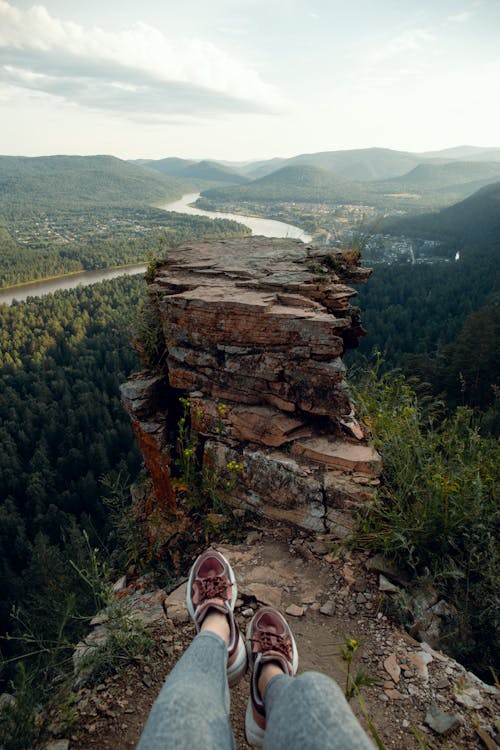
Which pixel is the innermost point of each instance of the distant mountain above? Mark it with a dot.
(357, 164)
(209, 171)
(294, 183)
(464, 153)
(28, 183)
(472, 224)
(172, 166)
(443, 175)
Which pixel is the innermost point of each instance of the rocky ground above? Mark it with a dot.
(327, 600)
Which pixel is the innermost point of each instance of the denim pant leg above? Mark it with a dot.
(192, 709)
(310, 712)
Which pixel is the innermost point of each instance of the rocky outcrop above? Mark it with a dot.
(254, 331)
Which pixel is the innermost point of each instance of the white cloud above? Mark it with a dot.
(125, 69)
(461, 17)
(408, 41)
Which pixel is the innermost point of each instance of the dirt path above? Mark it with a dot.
(339, 599)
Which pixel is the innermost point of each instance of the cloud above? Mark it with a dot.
(461, 17)
(408, 41)
(136, 70)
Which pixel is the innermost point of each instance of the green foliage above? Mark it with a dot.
(437, 510)
(206, 485)
(126, 640)
(146, 334)
(62, 427)
(354, 684)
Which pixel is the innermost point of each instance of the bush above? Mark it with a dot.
(437, 512)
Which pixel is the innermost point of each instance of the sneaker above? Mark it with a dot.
(212, 585)
(269, 638)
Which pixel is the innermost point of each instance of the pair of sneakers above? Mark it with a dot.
(212, 585)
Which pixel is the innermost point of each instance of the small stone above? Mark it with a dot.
(385, 585)
(328, 609)
(420, 660)
(470, 698)
(352, 609)
(393, 695)
(405, 723)
(239, 602)
(439, 721)
(180, 616)
(442, 683)
(320, 548)
(294, 610)
(392, 668)
(58, 745)
(383, 697)
(120, 584)
(247, 612)
(253, 537)
(315, 606)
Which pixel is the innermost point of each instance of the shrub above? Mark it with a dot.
(437, 512)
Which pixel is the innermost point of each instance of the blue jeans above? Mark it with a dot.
(308, 712)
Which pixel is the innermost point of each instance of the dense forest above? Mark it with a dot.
(440, 321)
(62, 428)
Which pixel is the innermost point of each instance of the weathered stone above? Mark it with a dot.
(294, 610)
(381, 564)
(264, 594)
(340, 454)
(328, 609)
(57, 745)
(392, 668)
(439, 721)
(469, 697)
(385, 585)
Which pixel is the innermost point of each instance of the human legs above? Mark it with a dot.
(293, 713)
(192, 709)
(310, 712)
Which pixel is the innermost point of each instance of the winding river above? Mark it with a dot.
(265, 227)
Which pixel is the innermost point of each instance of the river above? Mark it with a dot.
(39, 288)
(265, 227)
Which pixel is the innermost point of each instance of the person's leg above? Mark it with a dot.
(293, 713)
(310, 712)
(192, 709)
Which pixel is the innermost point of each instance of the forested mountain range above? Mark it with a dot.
(208, 171)
(79, 182)
(471, 225)
(425, 187)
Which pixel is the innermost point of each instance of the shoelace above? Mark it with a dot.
(273, 642)
(212, 587)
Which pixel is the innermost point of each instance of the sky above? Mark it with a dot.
(247, 79)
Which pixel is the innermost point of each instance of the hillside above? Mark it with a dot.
(432, 176)
(295, 183)
(471, 223)
(45, 182)
(357, 164)
(206, 170)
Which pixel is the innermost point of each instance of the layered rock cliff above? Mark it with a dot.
(254, 332)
